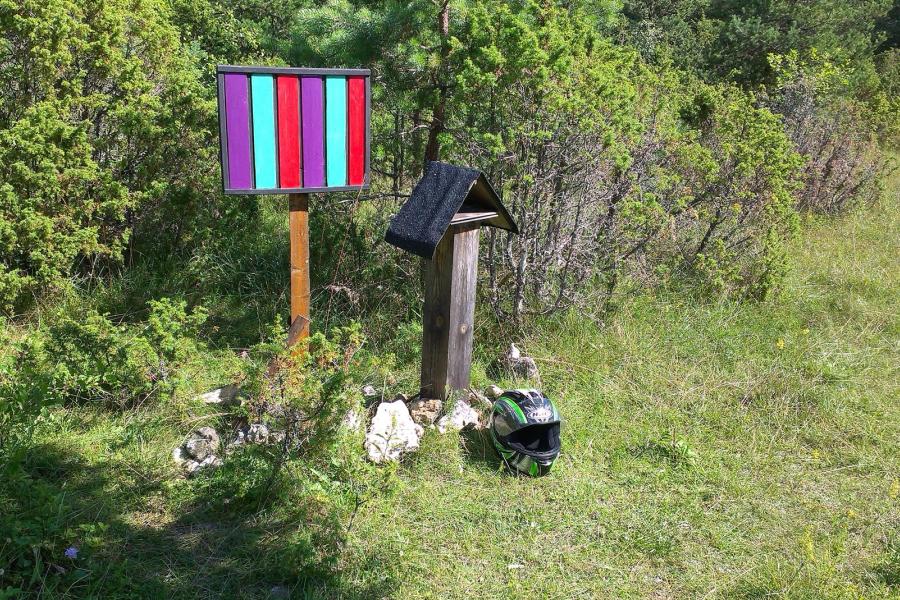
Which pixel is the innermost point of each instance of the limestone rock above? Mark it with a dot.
(392, 432)
(228, 395)
(179, 456)
(493, 391)
(256, 433)
(425, 411)
(201, 443)
(521, 366)
(461, 416)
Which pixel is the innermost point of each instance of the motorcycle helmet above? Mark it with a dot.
(525, 431)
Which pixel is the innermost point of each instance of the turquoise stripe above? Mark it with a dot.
(336, 130)
(262, 94)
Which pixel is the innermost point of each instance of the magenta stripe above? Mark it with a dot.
(237, 126)
(311, 111)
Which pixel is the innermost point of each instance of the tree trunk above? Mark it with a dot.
(432, 149)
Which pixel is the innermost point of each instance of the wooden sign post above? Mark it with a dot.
(300, 292)
(441, 222)
(294, 131)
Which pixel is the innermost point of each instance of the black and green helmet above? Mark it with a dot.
(525, 431)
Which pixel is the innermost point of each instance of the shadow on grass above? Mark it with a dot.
(478, 450)
(223, 543)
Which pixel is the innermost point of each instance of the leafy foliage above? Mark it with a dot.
(99, 114)
(86, 357)
(732, 39)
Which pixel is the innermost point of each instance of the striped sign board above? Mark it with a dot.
(285, 130)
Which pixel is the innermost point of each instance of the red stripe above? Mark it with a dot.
(356, 126)
(289, 161)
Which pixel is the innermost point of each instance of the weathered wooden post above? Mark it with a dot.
(294, 131)
(441, 222)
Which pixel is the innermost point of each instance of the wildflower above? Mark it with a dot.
(780, 343)
(71, 552)
(816, 454)
(851, 514)
(805, 331)
(736, 207)
(894, 491)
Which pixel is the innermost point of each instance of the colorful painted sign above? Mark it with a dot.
(286, 130)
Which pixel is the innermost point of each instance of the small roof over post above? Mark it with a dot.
(446, 195)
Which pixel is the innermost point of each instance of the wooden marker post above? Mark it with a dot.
(441, 222)
(448, 318)
(299, 232)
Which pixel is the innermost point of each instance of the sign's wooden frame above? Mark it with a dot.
(221, 70)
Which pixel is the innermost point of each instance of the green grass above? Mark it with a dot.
(710, 450)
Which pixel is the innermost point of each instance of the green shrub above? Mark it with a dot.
(23, 392)
(102, 122)
(86, 357)
(306, 392)
(838, 134)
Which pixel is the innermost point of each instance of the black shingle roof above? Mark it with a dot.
(436, 200)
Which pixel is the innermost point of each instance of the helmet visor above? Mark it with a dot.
(539, 441)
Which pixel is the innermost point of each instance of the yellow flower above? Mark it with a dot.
(805, 331)
(816, 454)
(851, 514)
(894, 491)
(736, 207)
(780, 343)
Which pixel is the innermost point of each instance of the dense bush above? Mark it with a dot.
(102, 122)
(22, 393)
(838, 135)
(732, 39)
(84, 356)
(592, 119)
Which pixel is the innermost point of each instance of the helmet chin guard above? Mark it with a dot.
(525, 427)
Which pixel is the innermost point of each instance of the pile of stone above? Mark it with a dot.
(198, 451)
(399, 425)
(395, 429)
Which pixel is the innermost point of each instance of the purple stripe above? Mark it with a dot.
(311, 110)
(237, 126)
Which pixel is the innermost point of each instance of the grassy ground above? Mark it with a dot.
(709, 450)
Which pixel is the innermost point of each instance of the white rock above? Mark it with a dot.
(198, 451)
(392, 432)
(179, 456)
(227, 395)
(493, 391)
(201, 443)
(369, 391)
(521, 366)
(257, 433)
(462, 416)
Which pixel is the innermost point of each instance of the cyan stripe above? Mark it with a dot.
(262, 95)
(336, 130)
